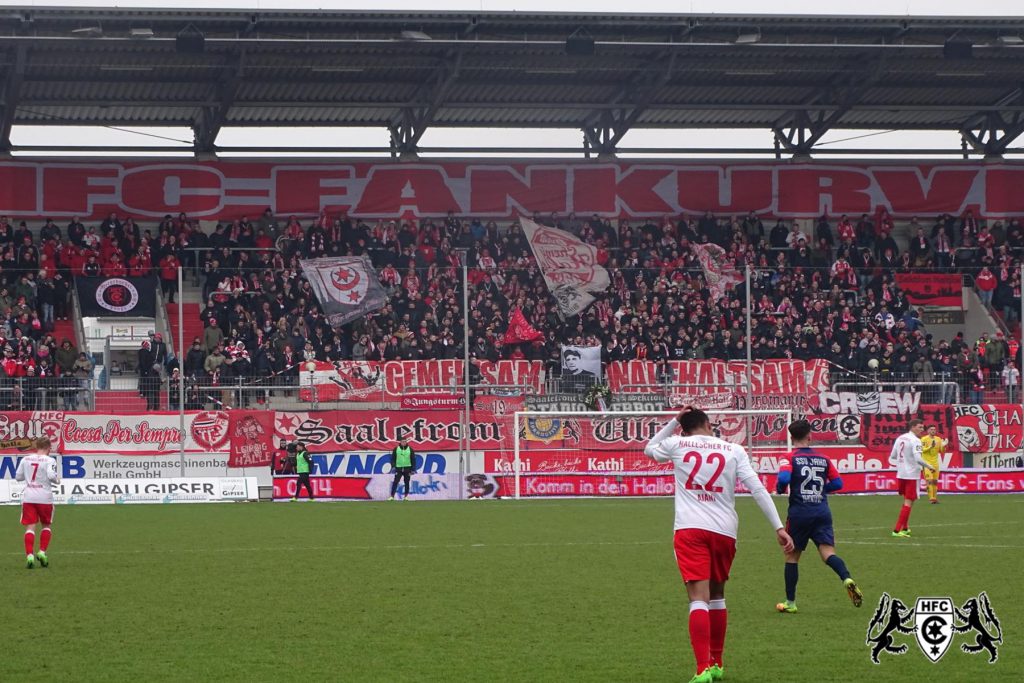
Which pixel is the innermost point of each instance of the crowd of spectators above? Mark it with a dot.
(828, 294)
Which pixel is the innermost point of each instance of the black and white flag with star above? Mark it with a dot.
(346, 287)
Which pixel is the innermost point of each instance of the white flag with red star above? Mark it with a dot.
(346, 287)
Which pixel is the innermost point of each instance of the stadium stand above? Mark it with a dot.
(827, 294)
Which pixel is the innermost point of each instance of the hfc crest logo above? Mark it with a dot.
(934, 622)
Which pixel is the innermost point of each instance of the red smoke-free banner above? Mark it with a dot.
(878, 432)
(500, 188)
(932, 289)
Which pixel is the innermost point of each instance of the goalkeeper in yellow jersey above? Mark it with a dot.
(933, 446)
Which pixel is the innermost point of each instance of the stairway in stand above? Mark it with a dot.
(65, 329)
(193, 325)
(120, 402)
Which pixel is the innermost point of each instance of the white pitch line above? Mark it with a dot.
(448, 546)
(928, 526)
(936, 544)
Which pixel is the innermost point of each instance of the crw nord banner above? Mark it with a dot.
(394, 380)
(498, 188)
(776, 384)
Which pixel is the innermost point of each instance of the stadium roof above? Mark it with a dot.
(797, 76)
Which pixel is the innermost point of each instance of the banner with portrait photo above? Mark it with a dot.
(581, 361)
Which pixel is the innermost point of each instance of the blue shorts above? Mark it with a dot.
(817, 528)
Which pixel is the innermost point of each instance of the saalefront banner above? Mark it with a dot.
(504, 189)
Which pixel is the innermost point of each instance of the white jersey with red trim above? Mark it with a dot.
(906, 456)
(39, 472)
(706, 472)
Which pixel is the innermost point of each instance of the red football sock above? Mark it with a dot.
(44, 539)
(901, 523)
(718, 617)
(700, 634)
(30, 541)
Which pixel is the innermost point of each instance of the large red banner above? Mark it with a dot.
(252, 433)
(878, 432)
(144, 434)
(498, 188)
(988, 428)
(776, 384)
(932, 289)
(853, 458)
(952, 481)
(395, 380)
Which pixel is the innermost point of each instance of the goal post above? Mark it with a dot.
(595, 453)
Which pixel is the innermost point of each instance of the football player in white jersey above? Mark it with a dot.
(39, 472)
(907, 457)
(707, 470)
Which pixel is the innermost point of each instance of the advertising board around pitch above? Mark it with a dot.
(133, 491)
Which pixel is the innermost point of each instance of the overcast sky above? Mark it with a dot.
(28, 135)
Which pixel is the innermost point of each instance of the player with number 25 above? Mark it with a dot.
(810, 476)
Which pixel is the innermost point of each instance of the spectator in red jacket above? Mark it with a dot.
(169, 276)
(986, 283)
(114, 267)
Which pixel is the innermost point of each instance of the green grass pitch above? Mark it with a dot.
(559, 590)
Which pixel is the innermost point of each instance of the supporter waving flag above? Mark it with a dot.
(719, 272)
(569, 266)
(346, 287)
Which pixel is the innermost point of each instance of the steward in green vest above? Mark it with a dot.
(403, 460)
(303, 465)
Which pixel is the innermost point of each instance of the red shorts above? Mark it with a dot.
(704, 555)
(908, 488)
(36, 512)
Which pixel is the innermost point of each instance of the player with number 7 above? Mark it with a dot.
(707, 470)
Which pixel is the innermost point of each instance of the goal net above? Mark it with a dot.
(602, 453)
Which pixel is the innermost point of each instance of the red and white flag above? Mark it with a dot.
(569, 266)
(520, 329)
(719, 271)
(346, 287)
